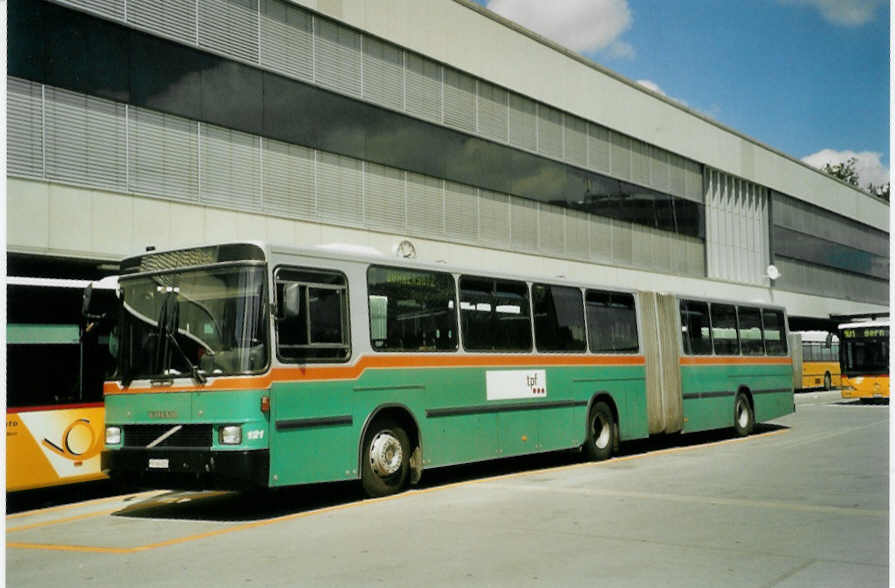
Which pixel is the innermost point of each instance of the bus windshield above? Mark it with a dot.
(196, 322)
(865, 354)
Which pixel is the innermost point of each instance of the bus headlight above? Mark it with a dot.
(231, 435)
(113, 435)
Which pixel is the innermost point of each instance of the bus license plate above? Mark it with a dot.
(161, 464)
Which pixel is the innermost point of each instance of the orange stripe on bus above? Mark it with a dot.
(735, 360)
(352, 372)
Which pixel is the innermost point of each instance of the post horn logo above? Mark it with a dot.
(79, 442)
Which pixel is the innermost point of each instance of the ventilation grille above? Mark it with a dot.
(189, 436)
(24, 131)
(175, 19)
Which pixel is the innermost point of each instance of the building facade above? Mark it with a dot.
(369, 122)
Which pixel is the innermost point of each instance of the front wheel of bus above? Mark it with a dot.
(385, 467)
(601, 432)
(743, 416)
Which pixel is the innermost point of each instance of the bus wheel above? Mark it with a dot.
(601, 432)
(828, 381)
(743, 417)
(385, 466)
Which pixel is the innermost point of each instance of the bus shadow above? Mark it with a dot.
(865, 402)
(260, 505)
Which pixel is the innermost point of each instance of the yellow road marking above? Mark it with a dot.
(79, 517)
(339, 507)
(122, 497)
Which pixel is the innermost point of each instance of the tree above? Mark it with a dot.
(881, 190)
(844, 171)
(847, 173)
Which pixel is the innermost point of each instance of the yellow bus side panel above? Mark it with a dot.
(866, 387)
(52, 447)
(813, 373)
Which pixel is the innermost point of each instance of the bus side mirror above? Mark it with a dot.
(291, 301)
(829, 342)
(85, 301)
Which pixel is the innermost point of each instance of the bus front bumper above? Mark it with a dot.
(187, 468)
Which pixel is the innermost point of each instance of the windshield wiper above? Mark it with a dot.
(168, 319)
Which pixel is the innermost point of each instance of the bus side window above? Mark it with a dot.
(611, 322)
(724, 329)
(774, 332)
(312, 315)
(559, 318)
(695, 332)
(411, 310)
(495, 315)
(750, 330)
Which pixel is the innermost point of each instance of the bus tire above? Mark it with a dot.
(385, 463)
(601, 432)
(743, 415)
(828, 381)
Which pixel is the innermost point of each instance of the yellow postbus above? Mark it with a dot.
(56, 363)
(864, 359)
(820, 360)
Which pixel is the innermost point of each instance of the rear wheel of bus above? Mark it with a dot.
(601, 432)
(385, 463)
(743, 415)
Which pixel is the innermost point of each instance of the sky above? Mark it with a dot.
(807, 77)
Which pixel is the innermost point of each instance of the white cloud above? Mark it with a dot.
(651, 85)
(581, 25)
(849, 13)
(868, 164)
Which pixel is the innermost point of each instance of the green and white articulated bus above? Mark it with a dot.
(250, 365)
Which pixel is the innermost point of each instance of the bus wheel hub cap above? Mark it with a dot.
(601, 430)
(386, 454)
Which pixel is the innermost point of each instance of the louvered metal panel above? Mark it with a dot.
(552, 223)
(109, 8)
(384, 197)
(576, 140)
(640, 163)
(550, 141)
(494, 218)
(288, 180)
(599, 149)
(423, 87)
(577, 229)
(340, 189)
(163, 158)
(231, 27)
(493, 111)
(659, 174)
(383, 73)
(622, 242)
(695, 189)
(287, 39)
(175, 19)
(621, 155)
(85, 139)
(459, 100)
(425, 205)
(601, 235)
(524, 224)
(230, 169)
(337, 57)
(676, 170)
(523, 122)
(24, 128)
(460, 212)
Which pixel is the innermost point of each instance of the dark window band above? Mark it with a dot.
(60, 47)
(333, 421)
(723, 393)
(518, 406)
